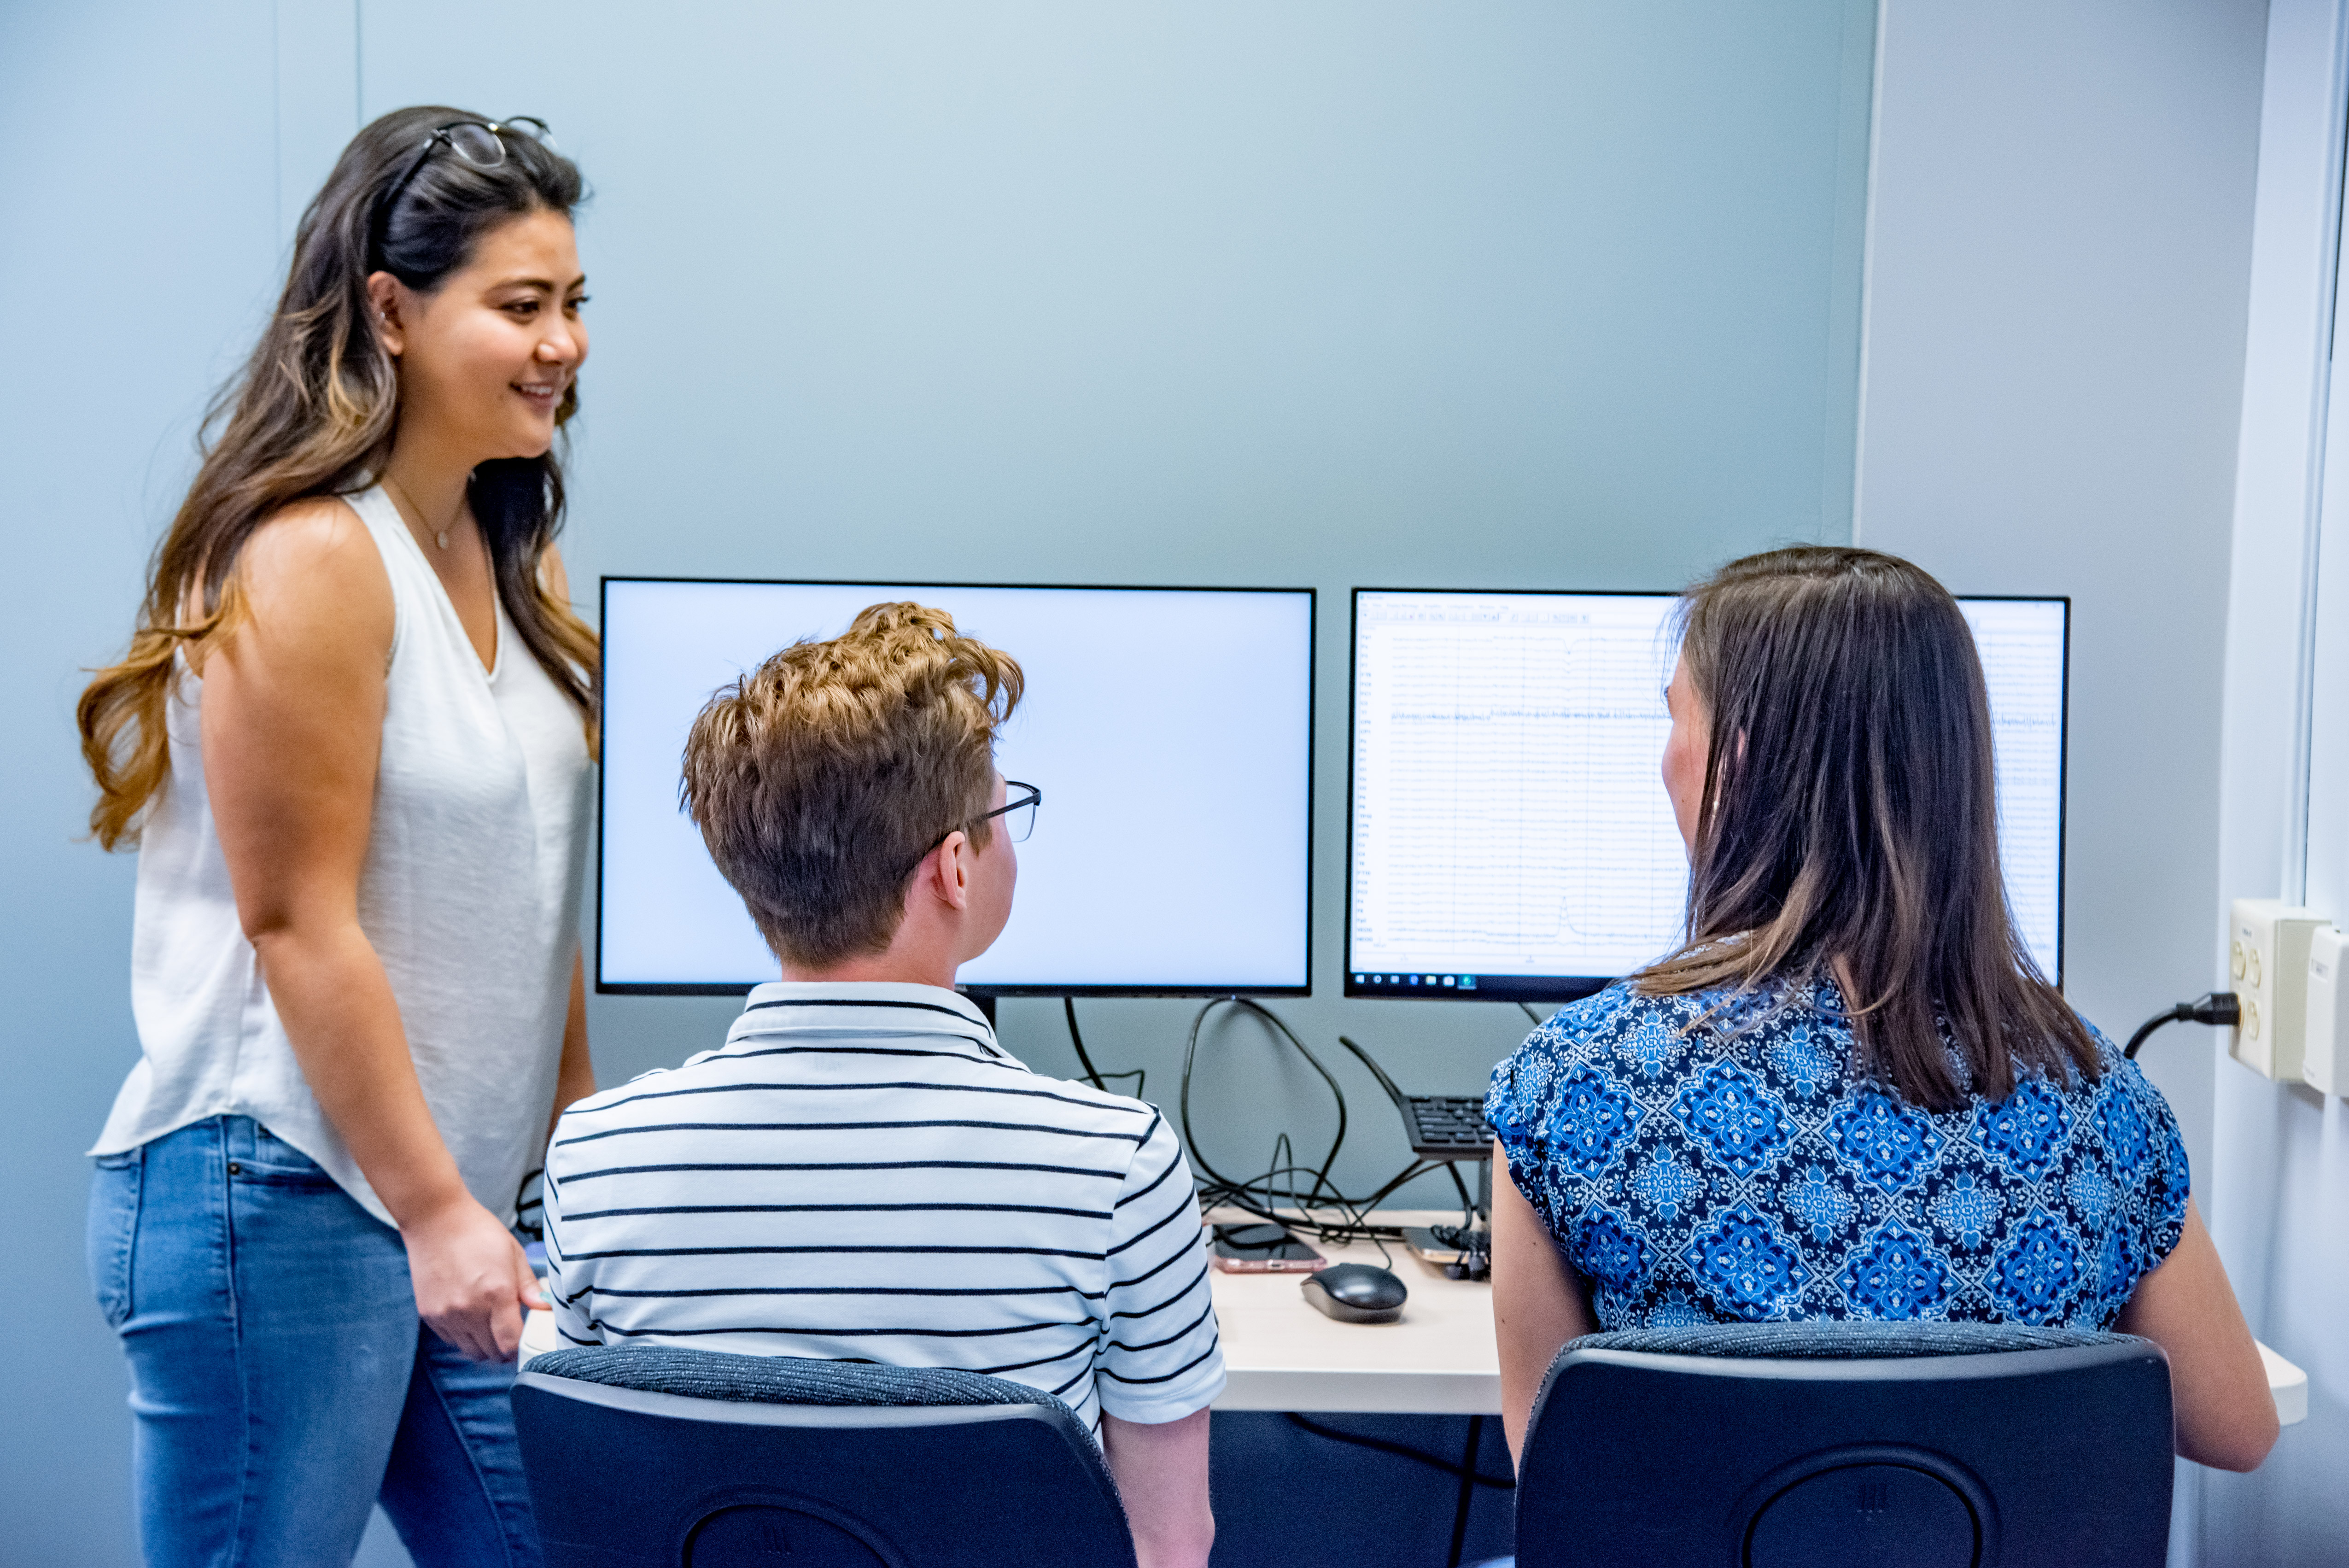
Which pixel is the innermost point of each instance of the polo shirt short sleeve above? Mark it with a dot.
(862, 1173)
(1161, 1360)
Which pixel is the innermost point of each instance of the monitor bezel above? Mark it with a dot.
(1573, 987)
(705, 988)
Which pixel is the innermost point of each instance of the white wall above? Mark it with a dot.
(2059, 243)
(137, 187)
(2283, 1214)
(2060, 270)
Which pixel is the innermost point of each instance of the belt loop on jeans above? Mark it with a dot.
(237, 1143)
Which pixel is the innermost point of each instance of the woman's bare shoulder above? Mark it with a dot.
(316, 535)
(311, 569)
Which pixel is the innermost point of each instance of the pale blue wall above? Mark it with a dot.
(137, 240)
(1550, 294)
(2059, 274)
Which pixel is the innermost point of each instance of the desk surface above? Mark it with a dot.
(1438, 1359)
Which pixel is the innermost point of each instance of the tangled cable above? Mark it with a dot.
(1268, 1194)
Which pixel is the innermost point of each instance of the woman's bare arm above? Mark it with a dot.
(1537, 1304)
(2218, 1393)
(293, 723)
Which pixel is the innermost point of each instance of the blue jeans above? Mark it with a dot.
(282, 1381)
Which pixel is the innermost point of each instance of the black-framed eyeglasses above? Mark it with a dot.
(480, 142)
(1018, 817)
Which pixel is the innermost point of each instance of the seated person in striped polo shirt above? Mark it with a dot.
(861, 1172)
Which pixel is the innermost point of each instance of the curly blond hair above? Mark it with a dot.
(821, 779)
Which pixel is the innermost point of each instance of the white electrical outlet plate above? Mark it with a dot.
(2325, 1054)
(2267, 953)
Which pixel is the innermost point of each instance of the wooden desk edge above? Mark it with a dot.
(1364, 1391)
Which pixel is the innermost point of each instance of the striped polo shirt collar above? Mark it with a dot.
(947, 1020)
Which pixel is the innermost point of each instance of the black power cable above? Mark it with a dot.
(1263, 1195)
(1475, 1245)
(1092, 1074)
(1191, 1052)
(1299, 1188)
(2219, 1007)
(1466, 1471)
(1363, 1439)
(1467, 1493)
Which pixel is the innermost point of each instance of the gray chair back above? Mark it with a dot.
(1849, 1445)
(685, 1459)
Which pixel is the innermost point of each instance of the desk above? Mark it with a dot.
(2289, 1384)
(1439, 1359)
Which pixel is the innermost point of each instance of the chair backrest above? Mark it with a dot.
(1834, 1445)
(686, 1459)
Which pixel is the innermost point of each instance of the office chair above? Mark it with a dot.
(689, 1458)
(1834, 1445)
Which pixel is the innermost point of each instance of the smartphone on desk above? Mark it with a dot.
(1262, 1250)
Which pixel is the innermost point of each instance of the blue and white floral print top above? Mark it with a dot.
(1743, 1170)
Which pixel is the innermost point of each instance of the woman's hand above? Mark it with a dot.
(473, 1281)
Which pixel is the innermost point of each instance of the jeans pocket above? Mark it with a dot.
(113, 1234)
(273, 1162)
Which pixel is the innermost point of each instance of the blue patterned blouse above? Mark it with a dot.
(1744, 1170)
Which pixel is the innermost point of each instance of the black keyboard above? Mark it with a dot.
(1448, 1127)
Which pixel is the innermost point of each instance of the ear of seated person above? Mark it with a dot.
(1849, 1096)
(860, 1171)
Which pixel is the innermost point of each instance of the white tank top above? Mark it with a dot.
(470, 895)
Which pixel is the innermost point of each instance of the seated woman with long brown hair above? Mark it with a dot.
(1850, 1095)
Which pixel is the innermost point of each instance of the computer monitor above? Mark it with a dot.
(1508, 837)
(1170, 731)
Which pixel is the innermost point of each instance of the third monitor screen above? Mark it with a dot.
(1509, 833)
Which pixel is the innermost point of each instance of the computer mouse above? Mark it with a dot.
(1355, 1293)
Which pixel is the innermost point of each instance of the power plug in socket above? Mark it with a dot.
(2268, 956)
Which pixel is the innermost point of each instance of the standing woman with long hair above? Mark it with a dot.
(352, 739)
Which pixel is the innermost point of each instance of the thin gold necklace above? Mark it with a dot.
(441, 537)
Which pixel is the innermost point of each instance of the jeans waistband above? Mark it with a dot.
(240, 1139)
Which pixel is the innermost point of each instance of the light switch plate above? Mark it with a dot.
(2324, 1054)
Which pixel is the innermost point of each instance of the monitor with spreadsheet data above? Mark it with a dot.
(1170, 731)
(1508, 835)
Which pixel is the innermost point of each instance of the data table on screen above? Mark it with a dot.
(1509, 830)
(1506, 816)
(2024, 644)
(1170, 731)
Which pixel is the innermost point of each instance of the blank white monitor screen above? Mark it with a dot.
(1169, 729)
(1509, 835)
